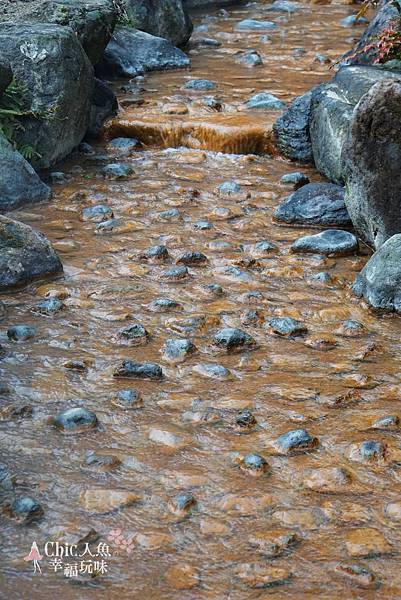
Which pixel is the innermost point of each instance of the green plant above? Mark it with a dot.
(12, 109)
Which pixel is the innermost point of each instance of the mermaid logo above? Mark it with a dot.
(35, 556)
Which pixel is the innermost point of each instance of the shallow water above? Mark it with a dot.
(336, 393)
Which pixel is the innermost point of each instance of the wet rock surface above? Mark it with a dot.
(67, 99)
(315, 204)
(370, 157)
(291, 130)
(131, 52)
(19, 184)
(168, 19)
(379, 282)
(25, 255)
(333, 242)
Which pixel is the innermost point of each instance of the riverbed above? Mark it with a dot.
(293, 531)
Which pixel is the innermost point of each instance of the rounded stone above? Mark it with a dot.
(178, 349)
(296, 440)
(371, 450)
(156, 253)
(182, 503)
(388, 422)
(350, 328)
(254, 464)
(136, 370)
(286, 326)
(97, 213)
(75, 420)
(295, 179)
(116, 171)
(233, 338)
(332, 242)
(314, 204)
(254, 25)
(212, 371)
(50, 306)
(21, 333)
(128, 399)
(229, 187)
(25, 510)
(176, 274)
(164, 305)
(134, 334)
(200, 84)
(245, 421)
(264, 101)
(192, 258)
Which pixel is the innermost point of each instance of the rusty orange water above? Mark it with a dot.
(184, 438)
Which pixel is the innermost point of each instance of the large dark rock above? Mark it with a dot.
(291, 130)
(384, 18)
(315, 204)
(6, 75)
(25, 255)
(331, 114)
(328, 126)
(58, 82)
(168, 19)
(131, 52)
(372, 158)
(93, 21)
(19, 184)
(104, 105)
(379, 282)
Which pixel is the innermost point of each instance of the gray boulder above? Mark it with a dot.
(315, 204)
(49, 62)
(25, 255)
(104, 105)
(6, 75)
(93, 21)
(379, 282)
(332, 108)
(330, 118)
(131, 52)
(168, 19)
(19, 184)
(291, 130)
(372, 158)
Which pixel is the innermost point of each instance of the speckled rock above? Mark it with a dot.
(137, 370)
(332, 242)
(233, 339)
(315, 204)
(75, 420)
(25, 255)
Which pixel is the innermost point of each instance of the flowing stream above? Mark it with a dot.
(281, 534)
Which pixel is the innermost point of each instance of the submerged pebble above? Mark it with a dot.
(75, 420)
(21, 333)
